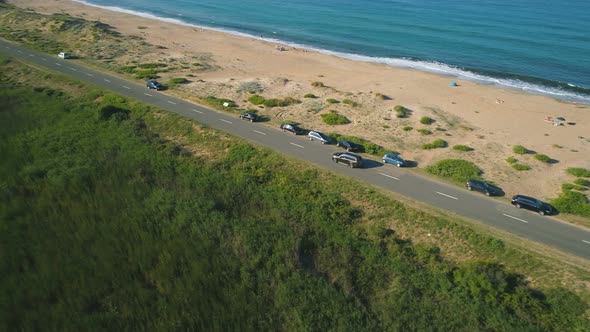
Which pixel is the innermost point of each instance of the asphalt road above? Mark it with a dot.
(526, 224)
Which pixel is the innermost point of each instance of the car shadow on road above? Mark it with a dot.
(410, 164)
(367, 163)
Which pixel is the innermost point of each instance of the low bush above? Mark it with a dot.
(582, 182)
(381, 96)
(401, 112)
(572, 202)
(579, 172)
(568, 186)
(426, 120)
(407, 128)
(146, 74)
(259, 100)
(152, 65)
(256, 99)
(350, 102)
(317, 84)
(178, 80)
(542, 157)
(521, 167)
(519, 149)
(437, 144)
(220, 102)
(462, 148)
(457, 170)
(424, 131)
(309, 95)
(511, 160)
(334, 118)
(332, 101)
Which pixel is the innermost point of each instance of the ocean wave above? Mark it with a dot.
(559, 90)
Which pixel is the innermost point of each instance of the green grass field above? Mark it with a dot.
(117, 216)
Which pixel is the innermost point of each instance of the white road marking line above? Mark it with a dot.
(509, 216)
(261, 133)
(171, 102)
(449, 196)
(225, 121)
(43, 59)
(57, 63)
(106, 80)
(126, 87)
(297, 145)
(7, 47)
(31, 54)
(198, 111)
(586, 241)
(74, 69)
(147, 94)
(89, 74)
(19, 51)
(389, 176)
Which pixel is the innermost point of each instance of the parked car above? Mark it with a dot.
(153, 84)
(318, 136)
(482, 187)
(394, 159)
(250, 116)
(291, 128)
(347, 158)
(347, 145)
(64, 55)
(533, 204)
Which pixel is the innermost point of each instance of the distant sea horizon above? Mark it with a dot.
(536, 46)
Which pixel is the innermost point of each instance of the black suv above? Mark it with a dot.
(250, 116)
(347, 145)
(153, 84)
(347, 158)
(482, 187)
(533, 204)
(291, 128)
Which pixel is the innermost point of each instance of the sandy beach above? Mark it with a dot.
(489, 119)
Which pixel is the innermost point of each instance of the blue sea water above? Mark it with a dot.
(539, 46)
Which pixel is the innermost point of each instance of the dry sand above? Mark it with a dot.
(487, 118)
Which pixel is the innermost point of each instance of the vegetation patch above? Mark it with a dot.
(333, 118)
(220, 103)
(582, 182)
(457, 170)
(521, 167)
(426, 120)
(572, 202)
(464, 148)
(146, 74)
(259, 100)
(350, 102)
(250, 87)
(542, 157)
(519, 149)
(407, 128)
(437, 144)
(511, 160)
(424, 131)
(579, 172)
(401, 112)
(309, 95)
(152, 65)
(317, 84)
(332, 101)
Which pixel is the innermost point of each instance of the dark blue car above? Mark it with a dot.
(347, 145)
(394, 159)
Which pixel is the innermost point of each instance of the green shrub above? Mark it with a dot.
(572, 202)
(511, 160)
(407, 128)
(521, 167)
(309, 95)
(350, 102)
(317, 84)
(579, 172)
(582, 182)
(334, 118)
(462, 148)
(424, 131)
(332, 101)
(272, 102)
(219, 102)
(256, 99)
(401, 112)
(178, 80)
(128, 69)
(542, 157)
(519, 149)
(152, 65)
(568, 186)
(437, 144)
(146, 74)
(386, 126)
(456, 169)
(426, 120)
(440, 129)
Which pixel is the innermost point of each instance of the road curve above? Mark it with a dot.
(526, 224)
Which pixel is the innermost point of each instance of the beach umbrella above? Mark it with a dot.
(453, 83)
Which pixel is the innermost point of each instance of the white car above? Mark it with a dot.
(64, 55)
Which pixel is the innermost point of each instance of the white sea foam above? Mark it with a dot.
(428, 66)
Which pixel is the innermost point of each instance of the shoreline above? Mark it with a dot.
(428, 66)
(489, 119)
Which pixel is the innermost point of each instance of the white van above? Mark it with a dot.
(64, 55)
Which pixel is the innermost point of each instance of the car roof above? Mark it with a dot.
(527, 197)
